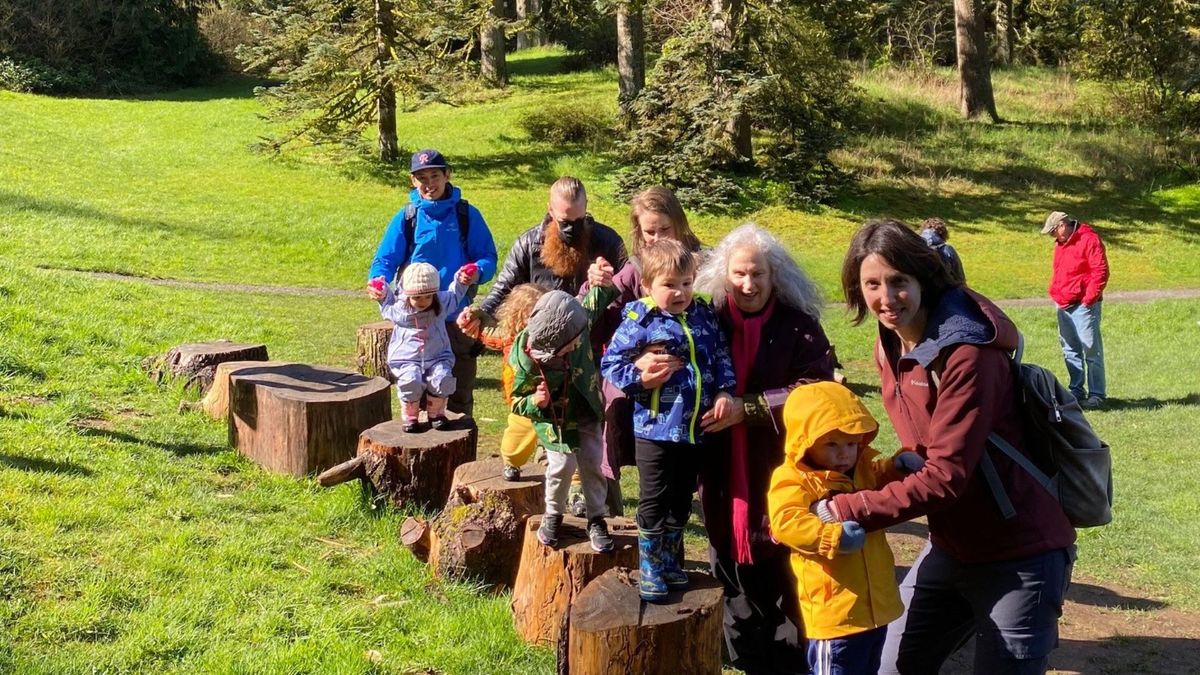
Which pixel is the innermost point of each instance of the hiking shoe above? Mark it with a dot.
(1092, 403)
(548, 531)
(575, 502)
(512, 473)
(438, 422)
(598, 534)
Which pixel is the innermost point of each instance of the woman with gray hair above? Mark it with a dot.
(770, 311)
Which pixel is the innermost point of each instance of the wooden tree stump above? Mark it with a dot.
(480, 532)
(297, 419)
(414, 534)
(198, 361)
(216, 402)
(548, 579)
(371, 347)
(610, 631)
(409, 468)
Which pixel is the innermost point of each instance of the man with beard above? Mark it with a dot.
(555, 253)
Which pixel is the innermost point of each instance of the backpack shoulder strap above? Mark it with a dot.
(463, 210)
(410, 232)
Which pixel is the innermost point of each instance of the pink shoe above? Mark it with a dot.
(412, 417)
(437, 412)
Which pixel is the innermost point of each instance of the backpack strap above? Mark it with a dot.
(1015, 455)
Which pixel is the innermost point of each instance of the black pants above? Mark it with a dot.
(666, 480)
(465, 354)
(762, 632)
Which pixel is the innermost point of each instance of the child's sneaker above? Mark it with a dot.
(412, 417)
(576, 503)
(548, 531)
(598, 534)
(437, 412)
(439, 422)
(512, 473)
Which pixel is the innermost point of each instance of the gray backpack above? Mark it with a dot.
(1070, 461)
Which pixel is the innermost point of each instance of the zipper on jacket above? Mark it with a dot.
(654, 401)
(696, 371)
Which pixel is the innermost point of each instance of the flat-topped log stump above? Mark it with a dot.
(215, 403)
(198, 361)
(480, 532)
(371, 348)
(549, 578)
(297, 419)
(612, 632)
(527, 494)
(406, 468)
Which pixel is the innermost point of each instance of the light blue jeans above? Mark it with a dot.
(1079, 332)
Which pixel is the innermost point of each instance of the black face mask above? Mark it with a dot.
(568, 230)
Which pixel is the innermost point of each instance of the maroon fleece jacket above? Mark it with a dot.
(967, 342)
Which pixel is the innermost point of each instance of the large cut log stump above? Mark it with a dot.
(480, 532)
(548, 579)
(198, 361)
(610, 631)
(409, 468)
(371, 348)
(298, 419)
(216, 402)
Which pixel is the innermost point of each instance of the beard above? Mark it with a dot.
(566, 262)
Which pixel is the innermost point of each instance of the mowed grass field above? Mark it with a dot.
(133, 540)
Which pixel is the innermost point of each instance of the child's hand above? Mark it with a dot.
(541, 396)
(468, 274)
(853, 537)
(375, 288)
(600, 273)
(468, 322)
(909, 461)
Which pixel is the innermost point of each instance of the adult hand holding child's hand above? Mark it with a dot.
(600, 273)
(468, 322)
(656, 367)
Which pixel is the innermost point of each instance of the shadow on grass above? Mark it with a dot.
(549, 64)
(225, 87)
(40, 465)
(10, 201)
(177, 449)
(1098, 596)
(1149, 403)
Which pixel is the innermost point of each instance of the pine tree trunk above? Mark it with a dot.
(1004, 32)
(491, 47)
(631, 53)
(974, 72)
(726, 17)
(530, 10)
(385, 36)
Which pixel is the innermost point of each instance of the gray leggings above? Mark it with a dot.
(1010, 607)
(562, 465)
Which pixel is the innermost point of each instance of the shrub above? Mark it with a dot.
(569, 123)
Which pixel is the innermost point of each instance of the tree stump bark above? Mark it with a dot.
(297, 419)
(548, 579)
(216, 402)
(610, 631)
(479, 533)
(371, 346)
(409, 468)
(198, 361)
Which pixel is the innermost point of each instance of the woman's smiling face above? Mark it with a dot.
(892, 296)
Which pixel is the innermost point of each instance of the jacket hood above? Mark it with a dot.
(963, 317)
(557, 319)
(932, 238)
(437, 208)
(813, 410)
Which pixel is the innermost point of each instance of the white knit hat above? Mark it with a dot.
(419, 278)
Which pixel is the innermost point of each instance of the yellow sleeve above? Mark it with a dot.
(792, 524)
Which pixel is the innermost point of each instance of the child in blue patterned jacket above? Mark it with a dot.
(668, 403)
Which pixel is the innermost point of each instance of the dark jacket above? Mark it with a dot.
(949, 256)
(523, 264)
(967, 341)
(793, 348)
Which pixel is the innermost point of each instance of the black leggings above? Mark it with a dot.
(666, 480)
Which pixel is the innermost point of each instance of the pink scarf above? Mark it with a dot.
(747, 333)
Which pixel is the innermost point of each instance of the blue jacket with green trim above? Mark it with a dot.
(671, 412)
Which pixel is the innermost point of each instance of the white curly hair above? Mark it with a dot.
(791, 285)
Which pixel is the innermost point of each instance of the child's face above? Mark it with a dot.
(835, 451)
(421, 302)
(672, 292)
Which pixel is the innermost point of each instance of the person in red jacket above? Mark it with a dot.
(1077, 287)
(947, 383)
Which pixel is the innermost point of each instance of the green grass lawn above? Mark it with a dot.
(133, 539)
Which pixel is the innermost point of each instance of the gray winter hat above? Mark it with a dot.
(557, 319)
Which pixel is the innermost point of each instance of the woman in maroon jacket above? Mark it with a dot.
(947, 383)
(770, 311)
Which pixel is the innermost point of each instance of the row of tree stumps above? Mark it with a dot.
(301, 419)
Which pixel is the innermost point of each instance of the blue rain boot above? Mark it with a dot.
(672, 557)
(651, 586)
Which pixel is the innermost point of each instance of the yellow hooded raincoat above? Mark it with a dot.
(840, 594)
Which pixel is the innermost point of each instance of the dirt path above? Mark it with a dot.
(1105, 628)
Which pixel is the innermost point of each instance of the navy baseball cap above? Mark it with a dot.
(427, 159)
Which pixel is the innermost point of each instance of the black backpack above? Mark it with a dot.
(462, 209)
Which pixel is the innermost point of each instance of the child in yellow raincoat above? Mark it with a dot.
(846, 576)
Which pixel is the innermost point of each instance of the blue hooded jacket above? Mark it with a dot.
(670, 412)
(437, 241)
